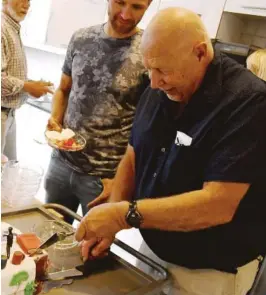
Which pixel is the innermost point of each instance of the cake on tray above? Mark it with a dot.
(21, 273)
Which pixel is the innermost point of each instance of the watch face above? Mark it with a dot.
(134, 219)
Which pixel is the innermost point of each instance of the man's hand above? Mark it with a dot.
(37, 88)
(53, 125)
(105, 194)
(99, 227)
(87, 249)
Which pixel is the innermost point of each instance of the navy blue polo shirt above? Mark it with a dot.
(226, 121)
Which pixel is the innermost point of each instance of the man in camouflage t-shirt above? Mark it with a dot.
(103, 78)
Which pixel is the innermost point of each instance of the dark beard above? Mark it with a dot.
(122, 29)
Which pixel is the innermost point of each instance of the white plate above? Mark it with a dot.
(80, 140)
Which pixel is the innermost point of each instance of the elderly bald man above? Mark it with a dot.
(193, 177)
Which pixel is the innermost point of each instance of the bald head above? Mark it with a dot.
(175, 28)
(176, 43)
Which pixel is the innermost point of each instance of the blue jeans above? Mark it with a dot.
(8, 134)
(68, 187)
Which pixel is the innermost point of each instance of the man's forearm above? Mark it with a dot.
(124, 181)
(59, 105)
(186, 212)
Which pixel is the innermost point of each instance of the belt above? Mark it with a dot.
(5, 109)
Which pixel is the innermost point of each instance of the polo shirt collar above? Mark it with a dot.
(204, 99)
(211, 86)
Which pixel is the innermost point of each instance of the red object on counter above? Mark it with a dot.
(42, 263)
(18, 257)
(28, 242)
(39, 287)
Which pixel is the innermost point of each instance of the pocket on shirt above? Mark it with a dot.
(184, 155)
(184, 158)
(184, 168)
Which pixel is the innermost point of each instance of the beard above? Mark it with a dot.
(122, 28)
(13, 14)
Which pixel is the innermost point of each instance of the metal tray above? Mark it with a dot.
(122, 279)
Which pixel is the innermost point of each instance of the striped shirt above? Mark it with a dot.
(13, 64)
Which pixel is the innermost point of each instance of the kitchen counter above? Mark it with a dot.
(259, 287)
(121, 277)
(44, 105)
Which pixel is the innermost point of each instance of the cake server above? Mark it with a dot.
(56, 237)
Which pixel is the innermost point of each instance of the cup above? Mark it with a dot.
(64, 254)
(20, 183)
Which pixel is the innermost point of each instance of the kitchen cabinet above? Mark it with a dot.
(194, 5)
(243, 28)
(211, 15)
(253, 7)
(50, 26)
(209, 10)
(68, 16)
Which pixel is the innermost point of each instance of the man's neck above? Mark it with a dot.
(109, 31)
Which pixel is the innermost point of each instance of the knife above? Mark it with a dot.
(56, 237)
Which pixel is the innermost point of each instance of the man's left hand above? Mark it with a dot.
(105, 194)
(99, 227)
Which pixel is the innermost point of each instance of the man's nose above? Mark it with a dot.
(155, 78)
(126, 13)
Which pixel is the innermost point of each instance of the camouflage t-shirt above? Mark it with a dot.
(108, 78)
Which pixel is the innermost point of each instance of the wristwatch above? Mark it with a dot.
(133, 217)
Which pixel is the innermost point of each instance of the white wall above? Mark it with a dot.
(44, 65)
(233, 28)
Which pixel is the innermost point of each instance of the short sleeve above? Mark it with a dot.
(144, 94)
(239, 154)
(131, 138)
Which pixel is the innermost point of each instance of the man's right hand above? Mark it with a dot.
(37, 88)
(53, 125)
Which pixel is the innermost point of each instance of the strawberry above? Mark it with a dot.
(69, 142)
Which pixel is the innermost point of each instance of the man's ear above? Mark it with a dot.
(200, 50)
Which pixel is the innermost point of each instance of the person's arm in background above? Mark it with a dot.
(59, 105)
(60, 98)
(121, 187)
(37, 88)
(11, 86)
(108, 184)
